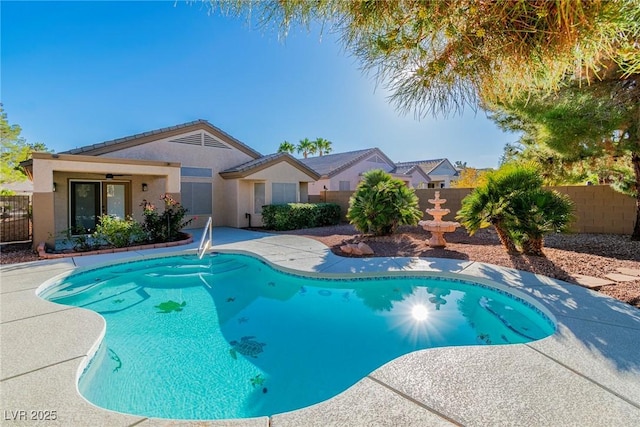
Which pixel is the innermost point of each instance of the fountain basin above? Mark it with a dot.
(439, 226)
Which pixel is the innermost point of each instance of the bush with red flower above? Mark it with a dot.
(164, 226)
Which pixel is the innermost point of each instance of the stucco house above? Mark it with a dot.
(441, 172)
(343, 171)
(210, 172)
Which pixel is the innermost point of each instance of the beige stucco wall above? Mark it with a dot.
(281, 172)
(217, 159)
(51, 209)
(156, 187)
(43, 218)
(316, 188)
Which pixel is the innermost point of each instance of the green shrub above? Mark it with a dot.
(513, 201)
(294, 216)
(79, 239)
(381, 203)
(165, 226)
(119, 232)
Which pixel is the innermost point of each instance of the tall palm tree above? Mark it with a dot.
(323, 146)
(286, 147)
(306, 147)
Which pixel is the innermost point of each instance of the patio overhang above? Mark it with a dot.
(41, 167)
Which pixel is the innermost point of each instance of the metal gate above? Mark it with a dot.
(16, 218)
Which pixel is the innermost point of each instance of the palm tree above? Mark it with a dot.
(323, 146)
(306, 147)
(286, 147)
(491, 203)
(521, 211)
(539, 212)
(460, 164)
(381, 203)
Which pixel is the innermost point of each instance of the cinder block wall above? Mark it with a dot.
(598, 208)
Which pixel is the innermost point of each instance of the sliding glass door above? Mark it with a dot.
(85, 206)
(90, 199)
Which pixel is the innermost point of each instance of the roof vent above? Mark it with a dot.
(193, 139)
(212, 142)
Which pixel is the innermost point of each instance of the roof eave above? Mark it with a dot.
(143, 138)
(283, 158)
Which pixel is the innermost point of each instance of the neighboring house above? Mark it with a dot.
(441, 172)
(23, 188)
(343, 171)
(208, 171)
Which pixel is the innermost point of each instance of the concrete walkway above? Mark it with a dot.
(586, 374)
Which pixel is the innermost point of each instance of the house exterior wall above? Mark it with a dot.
(418, 181)
(51, 208)
(226, 203)
(444, 173)
(198, 156)
(156, 187)
(352, 174)
(317, 187)
(279, 173)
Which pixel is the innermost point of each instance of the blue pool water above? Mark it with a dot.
(230, 337)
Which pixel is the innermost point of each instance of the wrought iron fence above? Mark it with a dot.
(16, 218)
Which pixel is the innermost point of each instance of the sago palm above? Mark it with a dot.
(491, 203)
(514, 202)
(381, 203)
(536, 213)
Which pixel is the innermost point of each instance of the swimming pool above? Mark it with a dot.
(231, 337)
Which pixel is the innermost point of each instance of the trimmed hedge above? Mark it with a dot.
(294, 216)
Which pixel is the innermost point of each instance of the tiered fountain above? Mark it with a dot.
(437, 226)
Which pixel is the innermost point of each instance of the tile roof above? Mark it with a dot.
(263, 162)
(332, 164)
(141, 138)
(426, 165)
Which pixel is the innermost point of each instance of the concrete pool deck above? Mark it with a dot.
(586, 374)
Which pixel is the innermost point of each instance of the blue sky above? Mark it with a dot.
(79, 73)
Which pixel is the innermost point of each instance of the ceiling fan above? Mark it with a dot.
(110, 176)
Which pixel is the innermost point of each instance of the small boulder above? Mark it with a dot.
(347, 249)
(365, 249)
(355, 250)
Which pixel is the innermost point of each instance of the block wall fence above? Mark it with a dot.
(598, 208)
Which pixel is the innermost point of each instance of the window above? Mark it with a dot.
(344, 185)
(197, 197)
(431, 185)
(258, 197)
(196, 172)
(442, 185)
(282, 193)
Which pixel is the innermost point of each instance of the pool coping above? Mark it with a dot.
(587, 373)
